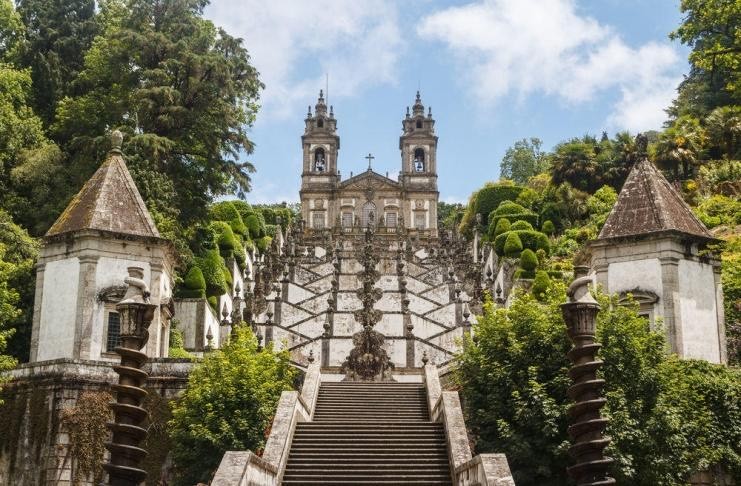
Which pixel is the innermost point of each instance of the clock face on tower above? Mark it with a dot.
(419, 166)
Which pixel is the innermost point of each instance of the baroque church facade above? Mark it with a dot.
(369, 199)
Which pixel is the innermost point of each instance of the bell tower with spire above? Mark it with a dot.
(418, 176)
(320, 175)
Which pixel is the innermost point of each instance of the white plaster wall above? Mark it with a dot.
(643, 274)
(186, 312)
(58, 309)
(700, 338)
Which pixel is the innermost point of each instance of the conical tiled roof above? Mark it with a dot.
(109, 201)
(649, 204)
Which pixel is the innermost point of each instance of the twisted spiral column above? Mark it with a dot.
(136, 314)
(586, 423)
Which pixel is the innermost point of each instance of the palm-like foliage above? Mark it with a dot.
(576, 162)
(680, 146)
(723, 126)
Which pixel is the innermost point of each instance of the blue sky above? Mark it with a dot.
(493, 71)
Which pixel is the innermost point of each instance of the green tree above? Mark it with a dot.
(669, 417)
(523, 160)
(679, 147)
(576, 162)
(182, 90)
(710, 28)
(723, 125)
(229, 403)
(58, 33)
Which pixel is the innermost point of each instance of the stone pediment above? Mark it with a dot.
(370, 180)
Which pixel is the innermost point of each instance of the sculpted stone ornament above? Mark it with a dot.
(368, 361)
(136, 313)
(586, 423)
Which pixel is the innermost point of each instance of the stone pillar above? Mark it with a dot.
(586, 422)
(37, 302)
(671, 302)
(86, 302)
(720, 313)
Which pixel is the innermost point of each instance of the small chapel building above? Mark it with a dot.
(105, 229)
(653, 250)
(370, 199)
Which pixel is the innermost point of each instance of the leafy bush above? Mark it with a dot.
(177, 344)
(719, 210)
(512, 244)
(253, 225)
(541, 284)
(194, 284)
(213, 267)
(492, 195)
(502, 226)
(668, 416)
(531, 239)
(223, 211)
(225, 238)
(264, 243)
(521, 225)
(528, 260)
(228, 404)
(513, 212)
(548, 228)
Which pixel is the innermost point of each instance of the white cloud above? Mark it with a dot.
(357, 43)
(523, 47)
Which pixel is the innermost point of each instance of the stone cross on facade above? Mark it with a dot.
(370, 159)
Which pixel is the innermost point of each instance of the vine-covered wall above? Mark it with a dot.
(53, 416)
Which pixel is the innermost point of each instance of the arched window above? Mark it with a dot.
(419, 160)
(419, 123)
(320, 161)
(369, 215)
(320, 123)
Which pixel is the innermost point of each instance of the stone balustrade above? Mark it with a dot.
(484, 469)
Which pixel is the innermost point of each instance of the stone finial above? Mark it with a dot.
(642, 145)
(310, 359)
(116, 140)
(425, 358)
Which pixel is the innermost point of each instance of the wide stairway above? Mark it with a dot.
(369, 433)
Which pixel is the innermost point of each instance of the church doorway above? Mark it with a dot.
(369, 215)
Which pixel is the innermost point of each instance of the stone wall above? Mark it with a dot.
(34, 443)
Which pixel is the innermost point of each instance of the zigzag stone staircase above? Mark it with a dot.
(304, 314)
(369, 433)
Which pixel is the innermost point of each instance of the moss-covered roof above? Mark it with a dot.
(108, 201)
(649, 204)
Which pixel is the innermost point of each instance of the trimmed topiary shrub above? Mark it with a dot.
(540, 285)
(548, 227)
(502, 226)
(253, 225)
(531, 239)
(513, 212)
(512, 244)
(521, 225)
(263, 243)
(213, 301)
(213, 267)
(194, 285)
(491, 196)
(225, 238)
(528, 260)
(223, 211)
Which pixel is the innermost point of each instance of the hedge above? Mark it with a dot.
(513, 212)
(491, 196)
(223, 211)
(521, 225)
(254, 227)
(263, 243)
(528, 260)
(502, 226)
(531, 239)
(213, 267)
(548, 227)
(225, 238)
(512, 244)
(541, 284)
